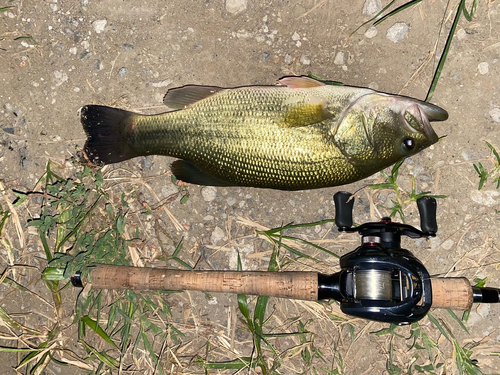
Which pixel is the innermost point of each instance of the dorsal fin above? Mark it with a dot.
(300, 112)
(300, 82)
(183, 97)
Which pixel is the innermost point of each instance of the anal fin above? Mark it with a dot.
(186, 171)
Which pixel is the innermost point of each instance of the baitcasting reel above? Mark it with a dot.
(380, 280)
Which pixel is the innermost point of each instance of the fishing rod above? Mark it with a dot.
(379, 280)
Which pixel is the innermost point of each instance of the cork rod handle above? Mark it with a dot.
(294, 285)
(451, 293)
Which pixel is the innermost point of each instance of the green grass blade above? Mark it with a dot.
(375, 17)
(438, 325)
(305, 242)
(460, 323)
(497, 156)
(469, 15)
(444, 55)
(236, 364)
(397, 10)
(5, 9)
(102, 356)
(92, 324)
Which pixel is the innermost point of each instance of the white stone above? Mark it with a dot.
(371, 32)
(288, 59)
(209, 193)
(483, 68)
(461, 34)
(397, 32)
(212, 300)
(99, 25)
(236, 6)
(485, 197)
(295, 36)
(61, 77)
(448, 244)
(217, 236)
(73, 50)
(339, 58)
(163, 83)
(372, 7)
(305, 60)
(483, 309)
(495, 114)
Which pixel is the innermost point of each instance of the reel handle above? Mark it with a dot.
(427, 209)
(343, 210)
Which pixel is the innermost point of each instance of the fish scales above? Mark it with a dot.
(271, 136)
(238, 130)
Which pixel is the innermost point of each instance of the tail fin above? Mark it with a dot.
(108, 131)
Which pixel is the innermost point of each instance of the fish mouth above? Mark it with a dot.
(430, 112)
(427, 112)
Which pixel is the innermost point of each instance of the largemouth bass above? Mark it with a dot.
(301, 134)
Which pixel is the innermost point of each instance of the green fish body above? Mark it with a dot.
(300, 135)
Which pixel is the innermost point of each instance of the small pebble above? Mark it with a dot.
(288, 59)
(397, 32)
(448, 244)
(236, 6)
(483, 68)
(163, 83)
(61, 77)
(217, 235)
(99, 25)
(98, 65)
(483, 309)
(372, 7)
(371, 32)
(461, 34)
(295, 36)
(305, 60)
(146, 162)
(339, 58)
(209, 193)
(488, 198)
(495, 114)
(128, 47)
(122, 71)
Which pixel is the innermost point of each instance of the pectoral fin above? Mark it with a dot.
(302, 112)
(183, 97)
(186, 171)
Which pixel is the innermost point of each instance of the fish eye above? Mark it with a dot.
(408, 144)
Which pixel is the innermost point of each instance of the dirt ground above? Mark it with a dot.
(58, 55)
